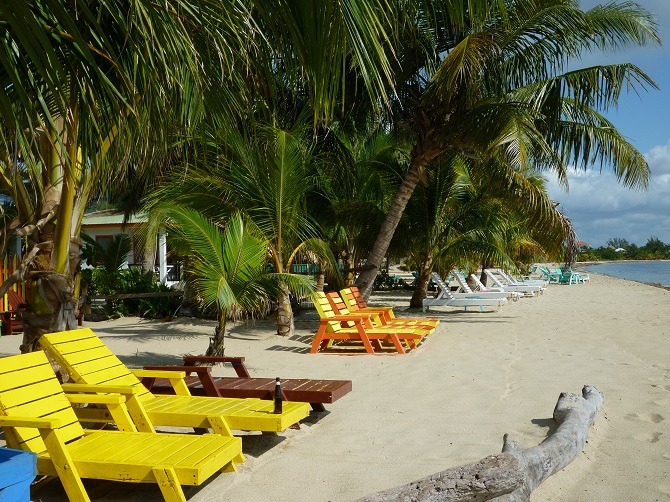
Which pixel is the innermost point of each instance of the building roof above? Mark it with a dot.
(111, 217)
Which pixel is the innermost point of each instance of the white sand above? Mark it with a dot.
(448, 402)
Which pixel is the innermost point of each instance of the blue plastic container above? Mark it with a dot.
(17, 470)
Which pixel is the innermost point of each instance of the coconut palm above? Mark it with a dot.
(266, 173)
(360, 171)
(503, 84)
(76, 78)
(227, 267)
(95, 92)
(463, 211)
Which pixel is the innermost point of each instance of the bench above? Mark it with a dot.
(203, 383)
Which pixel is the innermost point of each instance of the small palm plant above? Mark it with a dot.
(227, 267)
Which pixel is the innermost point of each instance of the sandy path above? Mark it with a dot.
(450, 401)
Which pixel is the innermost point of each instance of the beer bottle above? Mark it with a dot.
(278, 397)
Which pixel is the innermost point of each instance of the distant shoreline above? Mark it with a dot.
(583, 264)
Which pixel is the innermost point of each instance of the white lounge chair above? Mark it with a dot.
(483, 289)
(528, 282)
(464, 288)
(445, 298)
(520, 288)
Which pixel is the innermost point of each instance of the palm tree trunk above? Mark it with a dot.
(421, 156)
(320, 280)
(484, 278)
(421, 287)
(217, 344)
(285, 324)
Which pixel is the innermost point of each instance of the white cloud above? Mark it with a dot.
(600, 208)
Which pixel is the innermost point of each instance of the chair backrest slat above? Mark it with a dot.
(88, 360)
(29, 389)
(325, 310)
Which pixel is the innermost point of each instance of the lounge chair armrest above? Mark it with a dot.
(177, 379)
(103, 389)
(37, 423)
(149, 373)
(237, 362)
(96, 398)
(154, 370)
(212, 359)
(352, 317)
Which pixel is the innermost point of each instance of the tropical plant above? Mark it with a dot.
(227, 268)
(265, 173)
(500, 81)
(108, 90)
(110, 255)
(359, 172)
(465, 215)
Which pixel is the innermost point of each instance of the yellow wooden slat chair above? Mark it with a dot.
(36, 415)
(331, 329)
(89, 361)
(357, 305)
(339, 306)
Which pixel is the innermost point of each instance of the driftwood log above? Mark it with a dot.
(515, 473)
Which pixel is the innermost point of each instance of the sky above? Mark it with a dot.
(597, 205)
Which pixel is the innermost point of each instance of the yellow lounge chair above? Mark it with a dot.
(36, 416)
(331, 329)
(88, 361)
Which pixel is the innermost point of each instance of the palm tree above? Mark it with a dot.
(266, 173)
(465, 209)
(76, 78)
(97, 93)
(227, 267)
(503, 84)
(359, 172)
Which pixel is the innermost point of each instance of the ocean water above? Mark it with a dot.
(657, 272)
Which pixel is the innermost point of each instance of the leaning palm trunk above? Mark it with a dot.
(52, 308)
(421, 287)
(285, 324)
(421, 156)
(217, 344)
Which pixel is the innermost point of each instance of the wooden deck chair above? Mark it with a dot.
(331, 330)
(339, 306)
(385, 315)
(88, 361)
(36, 416)
(10, 323)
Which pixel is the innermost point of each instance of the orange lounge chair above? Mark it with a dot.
(356, 304)
(340, 308)
(331, 330)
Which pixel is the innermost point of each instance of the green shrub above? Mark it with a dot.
(128, 281)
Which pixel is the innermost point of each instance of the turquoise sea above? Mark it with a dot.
(656, 272)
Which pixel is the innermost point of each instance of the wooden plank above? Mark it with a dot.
(22, 376)
(13, 363)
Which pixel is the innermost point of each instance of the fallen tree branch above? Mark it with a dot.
(515, 473)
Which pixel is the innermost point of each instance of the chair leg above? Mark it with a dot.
(318, 338)
(64, 465)
(169, 484)
(396, 342)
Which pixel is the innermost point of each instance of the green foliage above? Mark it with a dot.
(111, 255)
(654, 249)
(387, 282)
(105, 282)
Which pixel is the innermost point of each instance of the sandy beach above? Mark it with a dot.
(482, 374)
